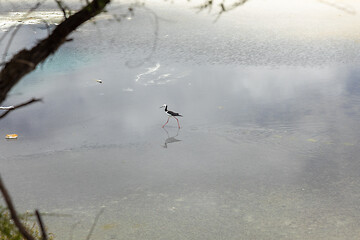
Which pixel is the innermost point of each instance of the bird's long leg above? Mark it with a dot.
(166, 122)
(177, 121)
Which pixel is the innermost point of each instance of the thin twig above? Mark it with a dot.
(22, 19)
(33, 100)
(47, 26)
(207, 4)
(13, 213)
(224, 6)
(17, 28)
(41, 224)
(229, 8)
(94, 224)
(63, 8)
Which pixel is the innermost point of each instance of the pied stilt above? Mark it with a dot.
(171, 114)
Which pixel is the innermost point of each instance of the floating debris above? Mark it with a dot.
(7, 108)
(98, 80)
(11, 136)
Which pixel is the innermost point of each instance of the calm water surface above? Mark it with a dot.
(268, 147)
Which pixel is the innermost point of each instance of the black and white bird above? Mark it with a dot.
(171, 114)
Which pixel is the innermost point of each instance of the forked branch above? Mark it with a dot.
(26, 60)
(33, 100)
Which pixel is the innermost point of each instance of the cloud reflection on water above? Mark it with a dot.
(297, 99)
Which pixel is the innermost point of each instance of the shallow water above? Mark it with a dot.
(268, 147)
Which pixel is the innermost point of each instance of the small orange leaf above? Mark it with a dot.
(11, 136)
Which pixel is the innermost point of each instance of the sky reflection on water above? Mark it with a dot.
(313, 101)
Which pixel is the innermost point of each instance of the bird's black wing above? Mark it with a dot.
(174, 114)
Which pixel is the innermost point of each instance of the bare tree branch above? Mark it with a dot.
(41, 224)
(14, 70)
(13, 213)
(33, 100)
(17, 28)
(65, 9)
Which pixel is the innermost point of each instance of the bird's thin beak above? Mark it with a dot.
(161, 106)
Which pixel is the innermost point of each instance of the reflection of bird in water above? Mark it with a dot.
(171, 139)
(171, 114)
